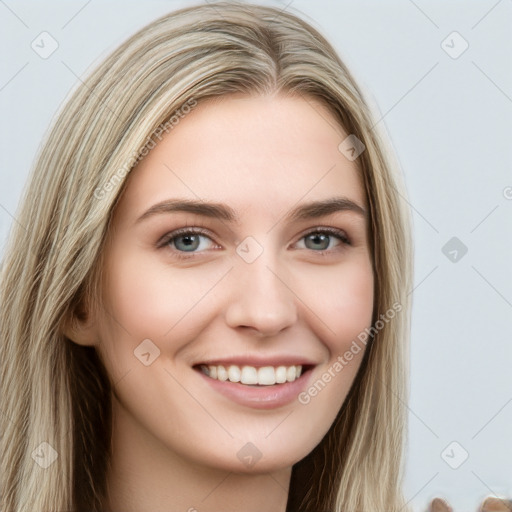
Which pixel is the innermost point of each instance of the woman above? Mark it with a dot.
(205, 299)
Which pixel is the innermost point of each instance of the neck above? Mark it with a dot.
(146, 475)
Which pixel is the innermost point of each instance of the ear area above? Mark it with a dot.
(80, 327)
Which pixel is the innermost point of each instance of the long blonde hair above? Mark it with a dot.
(56, 392)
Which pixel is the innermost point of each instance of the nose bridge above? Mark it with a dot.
(261, 298)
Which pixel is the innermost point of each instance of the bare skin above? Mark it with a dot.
(306, 295)
(488, 505)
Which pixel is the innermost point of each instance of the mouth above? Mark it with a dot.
(254, 376)
(257, 384)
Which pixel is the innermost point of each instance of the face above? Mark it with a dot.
(254, 266)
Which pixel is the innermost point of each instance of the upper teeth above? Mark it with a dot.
(264, 376)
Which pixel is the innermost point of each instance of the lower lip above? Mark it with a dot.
(260, 397)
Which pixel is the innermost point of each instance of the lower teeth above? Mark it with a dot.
(254, 385)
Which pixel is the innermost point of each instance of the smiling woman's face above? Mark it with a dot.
(270, 281)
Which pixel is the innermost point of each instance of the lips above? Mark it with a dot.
(267, 393)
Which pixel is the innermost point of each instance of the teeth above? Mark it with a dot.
(222, 374)
(281, 374)
(234, 373)
(249, 375)
(267, 376)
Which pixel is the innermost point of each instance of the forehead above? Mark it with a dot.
(259, 154)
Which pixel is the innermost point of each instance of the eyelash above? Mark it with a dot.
(170, 237)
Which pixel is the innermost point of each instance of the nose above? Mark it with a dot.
(261, 301)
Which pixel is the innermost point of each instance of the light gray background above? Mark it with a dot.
(449, 120)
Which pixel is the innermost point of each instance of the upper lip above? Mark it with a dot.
(258, 361)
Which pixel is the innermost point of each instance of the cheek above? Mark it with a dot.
(352, 309)
(148, 297)
(134, 297)
(343, 301)
(344, 304)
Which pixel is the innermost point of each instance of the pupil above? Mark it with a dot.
(319, 239)
(190, 242)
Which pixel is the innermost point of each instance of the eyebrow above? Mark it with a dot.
(310, 210)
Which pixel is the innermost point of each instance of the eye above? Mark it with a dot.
(324, 239)
(187, 240)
